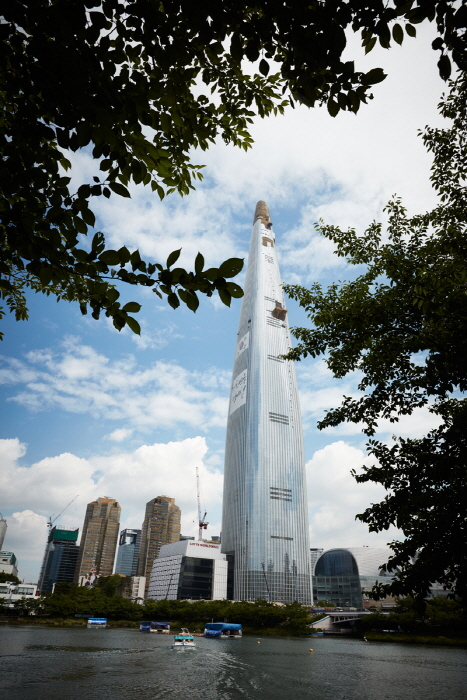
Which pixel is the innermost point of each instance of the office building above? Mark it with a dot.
(8, 563)
(128, 552)
(61, 555)
(265, 511)
(161, 526)
(189, 570)
(15, 592)
(99, 539)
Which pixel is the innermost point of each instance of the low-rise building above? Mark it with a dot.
(8, 563)
(190, 570)
(12, 592)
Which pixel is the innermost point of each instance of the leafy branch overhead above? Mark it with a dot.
(402, 327)
(139, 85)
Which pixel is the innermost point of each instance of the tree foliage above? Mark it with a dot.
(401, 326)
(141, 84)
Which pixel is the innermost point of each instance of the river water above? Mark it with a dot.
(121, 664)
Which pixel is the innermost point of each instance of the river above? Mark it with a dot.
(125, 664)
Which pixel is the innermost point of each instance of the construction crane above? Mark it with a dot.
(50, 522)
(202, 524)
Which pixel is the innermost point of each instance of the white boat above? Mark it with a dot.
(184, 640)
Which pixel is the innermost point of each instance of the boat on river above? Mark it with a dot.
(223, 630)
(184, 640)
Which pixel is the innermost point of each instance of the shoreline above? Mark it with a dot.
(391, 638)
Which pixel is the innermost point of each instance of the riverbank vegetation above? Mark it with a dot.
(70, 600)
(443, 621)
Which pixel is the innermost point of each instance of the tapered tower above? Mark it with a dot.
(265, 515)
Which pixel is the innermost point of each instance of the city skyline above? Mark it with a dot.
(89, 411)
(264, 514)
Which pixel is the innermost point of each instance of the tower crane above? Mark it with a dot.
(202, 524)
(50, 522)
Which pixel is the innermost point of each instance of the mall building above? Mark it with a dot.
(191, 570)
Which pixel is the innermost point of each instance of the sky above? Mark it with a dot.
(88, 412)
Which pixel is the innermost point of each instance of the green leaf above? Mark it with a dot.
(231, 267)
(444, 65)
(333, 107)
(124, 254)
(370, 45)
(234, 289)
(133, 324)
(88, 216)
(173, 257)
(110, 257)
(263, 67)
(376, 75)
(398, 33)
(199, 263)
(225, 296)
(132, 307)
(410, 29)
(173, 300)
(119, 189)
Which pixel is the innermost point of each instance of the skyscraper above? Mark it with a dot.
(128, 552)
(3, 529)
(265, 515)
(161, 526)
(99, 538)
(61, 554)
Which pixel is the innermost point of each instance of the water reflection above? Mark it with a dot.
(125, 664)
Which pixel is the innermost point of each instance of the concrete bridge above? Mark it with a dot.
(339, 622)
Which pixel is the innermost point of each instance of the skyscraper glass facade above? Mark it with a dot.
(61, 555)
(128, 552)
(265, 516)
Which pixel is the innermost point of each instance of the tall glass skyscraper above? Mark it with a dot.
(265, 514)
(128, 552)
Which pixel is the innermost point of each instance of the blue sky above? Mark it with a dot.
(90, 411)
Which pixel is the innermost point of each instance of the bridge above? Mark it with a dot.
(338, 622)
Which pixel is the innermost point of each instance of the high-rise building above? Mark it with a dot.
(3, 528)
(161, 526)
(61, 555)
(99, 539)
(265, 515)
(128, 552)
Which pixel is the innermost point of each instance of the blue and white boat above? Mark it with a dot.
(223, 630)
(184, 640)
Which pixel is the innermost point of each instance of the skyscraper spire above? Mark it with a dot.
(265, 515)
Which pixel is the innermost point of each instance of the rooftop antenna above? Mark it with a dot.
(202, 524)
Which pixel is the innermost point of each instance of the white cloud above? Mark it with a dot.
(335, 498)
(132, 478)
(78, 379)
(120, 434)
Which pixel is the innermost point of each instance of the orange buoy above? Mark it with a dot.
(258, 642)
(311, 649)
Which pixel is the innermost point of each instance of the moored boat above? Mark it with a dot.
(223, 630)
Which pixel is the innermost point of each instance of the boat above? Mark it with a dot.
(223, 630)
(183, 640)
(156, 627)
